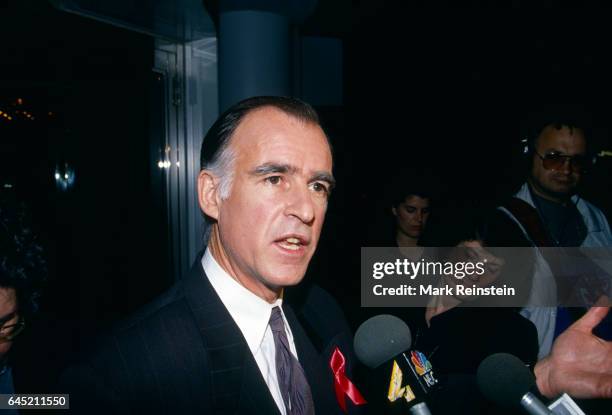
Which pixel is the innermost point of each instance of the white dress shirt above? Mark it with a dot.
(252, 315)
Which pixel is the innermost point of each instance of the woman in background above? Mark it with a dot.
(411, 208)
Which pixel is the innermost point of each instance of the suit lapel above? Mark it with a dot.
(237, 385)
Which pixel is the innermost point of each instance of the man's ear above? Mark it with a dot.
(208, 193)
(394, 211)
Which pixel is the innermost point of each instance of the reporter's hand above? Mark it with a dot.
(493, 265)
(580, 363)
(469, 251)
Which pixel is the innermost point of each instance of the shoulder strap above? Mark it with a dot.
(528, 216)
(584, 287)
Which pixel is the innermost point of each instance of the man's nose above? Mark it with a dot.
(567, 166)
(300, 204)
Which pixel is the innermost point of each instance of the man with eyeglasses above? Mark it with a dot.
(11, 325)
(22, 273)
(551, 214)
(559, 159)
(547, 213)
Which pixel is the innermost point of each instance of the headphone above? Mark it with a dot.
(526, 147)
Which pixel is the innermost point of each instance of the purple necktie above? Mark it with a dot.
(291, 378)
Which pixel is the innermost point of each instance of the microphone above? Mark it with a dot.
(383, 343)
(505, 380)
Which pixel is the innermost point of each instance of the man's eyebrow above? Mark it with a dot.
(324, 177)
(268, 168)
(562, 153)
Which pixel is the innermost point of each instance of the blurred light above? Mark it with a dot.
(605, 153)
(178, 164)
(19, 101)
(8, 186)
(160, 164)
(50, 114)
(64, 176)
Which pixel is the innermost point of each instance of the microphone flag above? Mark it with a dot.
(418, 380)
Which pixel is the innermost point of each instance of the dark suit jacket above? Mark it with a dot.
(183, 353)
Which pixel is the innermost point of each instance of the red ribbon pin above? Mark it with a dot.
(342, 384)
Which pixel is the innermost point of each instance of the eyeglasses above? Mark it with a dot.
(9, 331)
(555, 161)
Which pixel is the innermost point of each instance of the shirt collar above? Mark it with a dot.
(250, 312)
(525, 194)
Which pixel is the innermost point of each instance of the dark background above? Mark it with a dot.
(444, 90)
(434, 91)
(438, 93)
(87, 85)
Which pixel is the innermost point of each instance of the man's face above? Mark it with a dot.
(411, 216)
(269, 226)
(560, 183)
(8, 306)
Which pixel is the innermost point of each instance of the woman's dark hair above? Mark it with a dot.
(405, 185)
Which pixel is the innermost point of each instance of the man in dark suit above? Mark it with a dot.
(228, 337)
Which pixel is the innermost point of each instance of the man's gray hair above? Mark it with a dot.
(223, 168)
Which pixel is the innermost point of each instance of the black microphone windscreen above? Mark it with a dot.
(504, 379)
(381, 338)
